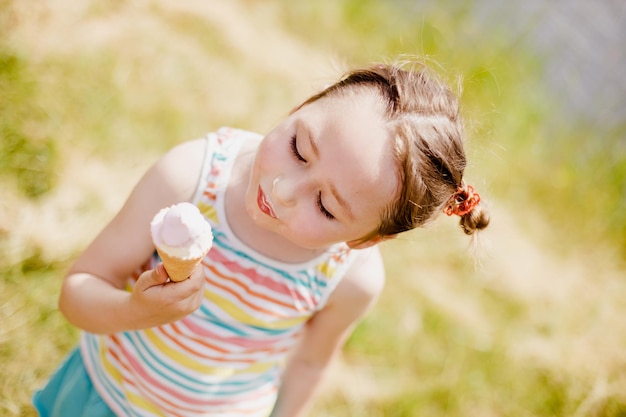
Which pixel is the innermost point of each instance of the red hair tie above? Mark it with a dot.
(462, 202)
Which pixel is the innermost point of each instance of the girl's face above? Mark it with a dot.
(326, 173)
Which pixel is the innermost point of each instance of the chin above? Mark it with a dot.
(307, 245)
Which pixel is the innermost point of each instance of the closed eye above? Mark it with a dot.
(322, 209)
(294, 149)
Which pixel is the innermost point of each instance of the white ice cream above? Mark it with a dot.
(181, 231)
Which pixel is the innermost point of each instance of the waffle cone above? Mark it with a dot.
(178, 269)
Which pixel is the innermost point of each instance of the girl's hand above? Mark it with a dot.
(155, 300)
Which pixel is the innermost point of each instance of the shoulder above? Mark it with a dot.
(353, 297)
(363, 282)
(177, 172)
(184, 159)
(367, 273)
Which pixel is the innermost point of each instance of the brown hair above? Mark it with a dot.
(423, 117)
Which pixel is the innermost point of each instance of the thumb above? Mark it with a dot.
(155, 277)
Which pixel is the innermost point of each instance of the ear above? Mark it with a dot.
(359, 244)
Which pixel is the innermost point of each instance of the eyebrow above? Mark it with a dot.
(342, 202)
(313, 143)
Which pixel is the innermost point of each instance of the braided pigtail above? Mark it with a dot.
(465, 204)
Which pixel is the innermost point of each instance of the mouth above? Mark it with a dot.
(264, 205)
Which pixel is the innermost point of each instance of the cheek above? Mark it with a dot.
(311, 230)
(265, 165)
(270, 152)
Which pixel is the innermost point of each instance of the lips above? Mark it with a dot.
(264, 205)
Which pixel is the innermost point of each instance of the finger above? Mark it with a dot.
(191, 285)
(155, 277)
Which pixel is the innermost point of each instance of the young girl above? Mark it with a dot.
(296, 217)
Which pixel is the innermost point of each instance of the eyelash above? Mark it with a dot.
(322, 209)
(294, 149)
(320, 205)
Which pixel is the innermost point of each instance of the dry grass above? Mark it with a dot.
(532, 330)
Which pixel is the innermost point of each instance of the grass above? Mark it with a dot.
(531, 328)
(34, 337)
(450, 343)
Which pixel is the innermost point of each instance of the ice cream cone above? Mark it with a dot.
(182, 237)
(178, 269)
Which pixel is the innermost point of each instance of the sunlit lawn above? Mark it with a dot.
(529, 326)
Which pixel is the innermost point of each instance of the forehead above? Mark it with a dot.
(354, 116)
(356, 149)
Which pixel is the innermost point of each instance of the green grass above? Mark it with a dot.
(535, 331)
(34, 337)
(27, 158)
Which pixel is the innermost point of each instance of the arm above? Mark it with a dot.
(93, 295)
(326, 332)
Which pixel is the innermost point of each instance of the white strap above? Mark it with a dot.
(211, 139)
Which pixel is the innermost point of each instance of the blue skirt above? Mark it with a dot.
(69, 392)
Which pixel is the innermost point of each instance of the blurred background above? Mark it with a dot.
(530, 320)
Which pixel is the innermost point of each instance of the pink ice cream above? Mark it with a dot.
(181, 231)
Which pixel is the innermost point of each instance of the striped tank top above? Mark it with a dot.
(225, 358)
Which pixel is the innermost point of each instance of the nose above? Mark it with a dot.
(285, 190)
